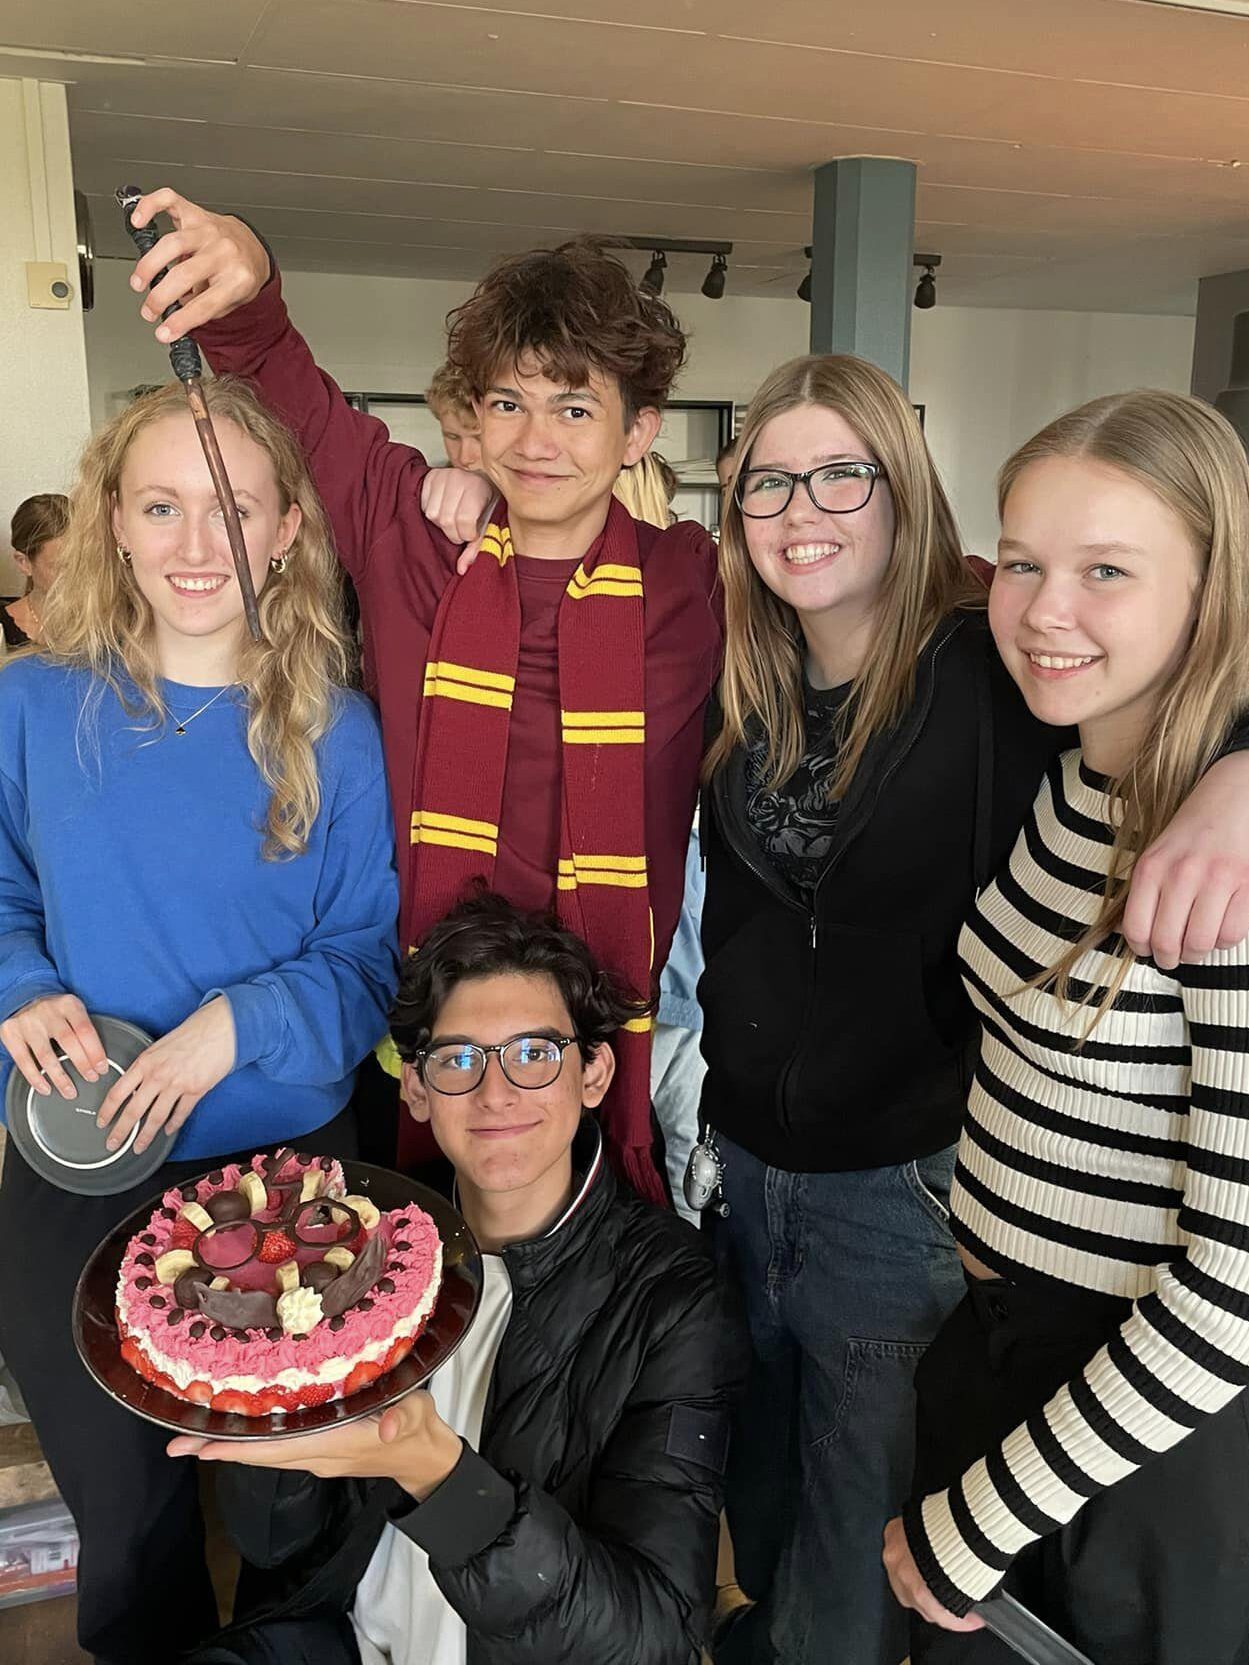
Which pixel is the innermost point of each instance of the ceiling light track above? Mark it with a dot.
(713, 285)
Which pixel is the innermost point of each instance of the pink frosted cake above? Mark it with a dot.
(264, 1289)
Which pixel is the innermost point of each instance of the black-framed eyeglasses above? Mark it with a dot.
(528, 1061)
(836, 488)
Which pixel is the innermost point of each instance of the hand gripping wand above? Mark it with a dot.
(184, 356)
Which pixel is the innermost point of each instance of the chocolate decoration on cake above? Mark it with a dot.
(176, 1316)
(359, 1277)
(386, 1286)
(143, 1283)
(302, 1157)
(217, 1333)
(318, 1275)
(337, 1323)
(365, 1304)
(239, 1309)
(145, 1259)
(227, 1208)
(185, 1286)
(189, 1193)
(197, 1330)
(318, 1213)
(403, 1246)
(216, 1177)
(274, 1334)
(148, 1239)
(325, 1163)
(168, 1214)
(158, 1300)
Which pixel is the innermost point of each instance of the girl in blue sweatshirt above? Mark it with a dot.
(195, 836)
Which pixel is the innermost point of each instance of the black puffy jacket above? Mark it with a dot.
(586, 1528)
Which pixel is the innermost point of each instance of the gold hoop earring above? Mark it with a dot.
(278, 562)
(123, 555)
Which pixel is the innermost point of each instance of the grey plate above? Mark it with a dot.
(60, 1140)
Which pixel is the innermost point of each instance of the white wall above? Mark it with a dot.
(988, 377)
(43, 372)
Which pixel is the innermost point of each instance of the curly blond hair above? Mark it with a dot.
(96, 617)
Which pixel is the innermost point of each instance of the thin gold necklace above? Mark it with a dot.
(187, 721)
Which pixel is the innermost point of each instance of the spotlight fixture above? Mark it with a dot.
(713, 283)
(653, 282)
(804, 288)
(926, 288)
(659, 248)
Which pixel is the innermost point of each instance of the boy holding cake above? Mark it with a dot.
(555, 1493)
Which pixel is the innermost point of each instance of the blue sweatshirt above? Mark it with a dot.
(131, 875)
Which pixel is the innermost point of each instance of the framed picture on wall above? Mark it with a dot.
(919, 411)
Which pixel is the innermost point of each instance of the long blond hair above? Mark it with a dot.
(646, 488)
(1191, 459)
(96, 618)
(926, 577)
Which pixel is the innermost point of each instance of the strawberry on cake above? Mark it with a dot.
(264, 1289)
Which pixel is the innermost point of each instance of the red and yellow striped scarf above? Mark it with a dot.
(601, 887)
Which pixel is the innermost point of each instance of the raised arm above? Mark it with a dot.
(231, 298)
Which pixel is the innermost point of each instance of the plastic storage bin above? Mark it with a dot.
(38, 1552)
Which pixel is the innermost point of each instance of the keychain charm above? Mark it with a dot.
(704, 1176)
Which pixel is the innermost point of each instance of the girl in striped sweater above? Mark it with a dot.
(1082, 1429)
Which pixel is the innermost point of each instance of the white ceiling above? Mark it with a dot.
(1072, 153)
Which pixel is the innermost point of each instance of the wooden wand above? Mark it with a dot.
(185, 358)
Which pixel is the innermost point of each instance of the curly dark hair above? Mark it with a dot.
(486, 936)
(575, 309)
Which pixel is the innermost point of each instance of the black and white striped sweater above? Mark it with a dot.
(1121, 1166)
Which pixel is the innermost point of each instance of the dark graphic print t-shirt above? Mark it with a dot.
(794, 825)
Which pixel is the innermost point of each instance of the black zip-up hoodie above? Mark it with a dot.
(837, 1033)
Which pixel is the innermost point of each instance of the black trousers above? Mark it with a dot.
(1152, 1571)
(142, 1578)
(287, 1642)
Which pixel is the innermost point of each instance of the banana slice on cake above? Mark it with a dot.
(172, 1264)
(366, 1212)
(252, 1187)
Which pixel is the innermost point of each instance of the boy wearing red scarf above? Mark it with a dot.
(542, 710)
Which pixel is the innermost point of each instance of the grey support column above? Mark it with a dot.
(861, 277)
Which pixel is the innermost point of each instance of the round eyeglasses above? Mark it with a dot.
(528, 1061)
(837, 488)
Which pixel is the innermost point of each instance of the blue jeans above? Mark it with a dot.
(846, 1279)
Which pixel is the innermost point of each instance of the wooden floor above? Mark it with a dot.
(41, 1633)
